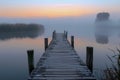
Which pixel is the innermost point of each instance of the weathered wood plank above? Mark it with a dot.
(60, 62)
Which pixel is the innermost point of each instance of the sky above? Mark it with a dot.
(55, 8)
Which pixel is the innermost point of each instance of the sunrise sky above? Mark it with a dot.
(55, 8)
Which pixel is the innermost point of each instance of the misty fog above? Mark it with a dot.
(105, 27)
(80, 26)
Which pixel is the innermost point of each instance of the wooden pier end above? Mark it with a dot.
(61, 62)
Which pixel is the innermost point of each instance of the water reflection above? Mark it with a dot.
(103, 28)
(9, 31)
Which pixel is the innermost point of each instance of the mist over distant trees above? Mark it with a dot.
(105, 27)
(104, 16)
(8, 31)
(102, 27)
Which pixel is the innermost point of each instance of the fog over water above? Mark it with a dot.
(105, 28)
(87, 32)
(82, 26)
(78, 25)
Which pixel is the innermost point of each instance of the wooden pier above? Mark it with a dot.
(60, 62)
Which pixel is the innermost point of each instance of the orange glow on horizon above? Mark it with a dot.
(47, 11)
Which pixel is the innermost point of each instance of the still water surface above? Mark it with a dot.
(13, 55)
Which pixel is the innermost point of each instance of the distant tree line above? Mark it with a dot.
(19, 27)
(9, 31)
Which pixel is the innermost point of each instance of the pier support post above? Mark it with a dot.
(46, 43)
(54, 34)
(89, 58)
(30, 54)
(66, 34)
(72, 41)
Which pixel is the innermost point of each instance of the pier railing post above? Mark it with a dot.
(65, 34)
(46, 43)
(89, 58)
(54, 34)
(30, 54)
(72, 41)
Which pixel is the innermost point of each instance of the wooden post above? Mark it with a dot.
(30, 54)
(72, 41)
(46, 43)
(89, 58)
(65, 34)
(54, 34)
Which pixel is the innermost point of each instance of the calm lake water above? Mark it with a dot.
(13, 51)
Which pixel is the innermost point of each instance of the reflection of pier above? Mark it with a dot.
(61, 62)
